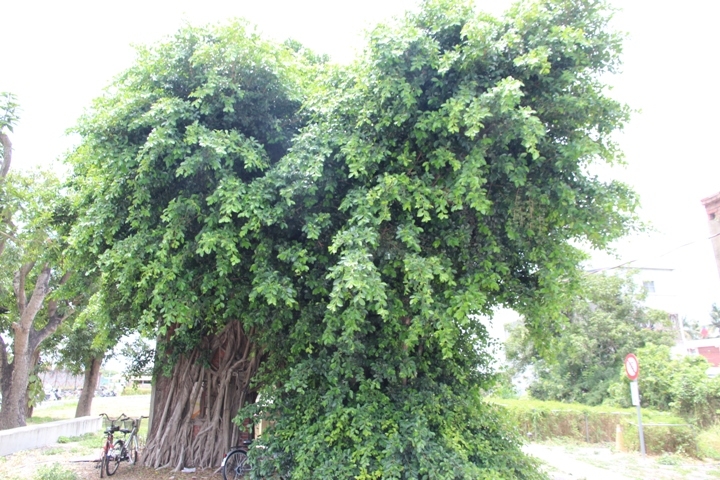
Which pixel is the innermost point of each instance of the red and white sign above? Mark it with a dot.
(632, 366)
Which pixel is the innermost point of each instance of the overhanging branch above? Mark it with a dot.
(19, 286)
(54, 320)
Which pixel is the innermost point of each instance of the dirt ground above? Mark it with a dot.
(599, 462)
(561, 462)
(78, 456)
(71, 456)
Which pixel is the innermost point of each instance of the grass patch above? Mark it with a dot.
(709, 443)
(39, 420)
(53, 451)
(137, 390)
(94, 437)
(55, 472)
(669, 459)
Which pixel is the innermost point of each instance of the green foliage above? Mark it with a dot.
(162, 175)
(357, 220)
(8, 112)
(604, 323)
(715, 316)
(140, 356)
(709, 443)
(662, 439)
(677, 384)
(31, 199)
(35, 391)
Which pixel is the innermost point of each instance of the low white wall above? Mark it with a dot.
(34, 436)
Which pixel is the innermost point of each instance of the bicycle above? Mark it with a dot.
(116, 451)
(235, 463)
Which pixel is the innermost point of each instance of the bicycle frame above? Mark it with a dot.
(125, 449)
(109, 439)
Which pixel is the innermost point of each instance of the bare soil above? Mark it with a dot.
(72, 457)
(79, 456)
(600, 462)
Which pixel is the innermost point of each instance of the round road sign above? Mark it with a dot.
(632, 366)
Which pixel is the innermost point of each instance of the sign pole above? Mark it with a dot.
(632, 368)
(636, 393)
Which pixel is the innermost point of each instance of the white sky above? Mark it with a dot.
(58, 55)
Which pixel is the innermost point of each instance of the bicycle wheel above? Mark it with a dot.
(235, 465)
(114, 457)
(132, 450)
(103, 462)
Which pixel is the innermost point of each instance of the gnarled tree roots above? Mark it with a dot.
(193, 409)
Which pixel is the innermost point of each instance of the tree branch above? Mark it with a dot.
(54, 320)
(52, 304)
(3, 356)
(34, 305)
(7, 154)
(19, 286)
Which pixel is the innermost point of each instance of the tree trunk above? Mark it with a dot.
(5, 214)
(92, 375)
(25, 341)
(33, 364)
(192, 411)
(12, 413)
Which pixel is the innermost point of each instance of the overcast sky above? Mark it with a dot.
(57, 56)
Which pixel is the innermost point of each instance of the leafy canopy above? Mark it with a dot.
(355, 219)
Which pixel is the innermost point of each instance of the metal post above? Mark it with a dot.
(639, 415)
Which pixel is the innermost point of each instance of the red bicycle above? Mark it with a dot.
(107, 454)
(116, 451)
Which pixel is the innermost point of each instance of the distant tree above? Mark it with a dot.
(715, 317)
(85, 343)
(606, 321)
(31, 273)
(680, 384)
(691, 329)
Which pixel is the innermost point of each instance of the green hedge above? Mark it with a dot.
(662, 439)
(540, 420)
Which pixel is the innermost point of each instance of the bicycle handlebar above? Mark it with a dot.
(122, 418)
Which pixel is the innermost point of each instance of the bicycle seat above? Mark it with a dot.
(122, 430)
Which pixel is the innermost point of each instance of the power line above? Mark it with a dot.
(621, 265)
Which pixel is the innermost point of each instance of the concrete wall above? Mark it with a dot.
(35, 436)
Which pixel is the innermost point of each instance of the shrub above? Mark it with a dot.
(662, 439)
(709, 443)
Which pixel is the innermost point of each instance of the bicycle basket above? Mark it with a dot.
(108, 422)
(127, 424)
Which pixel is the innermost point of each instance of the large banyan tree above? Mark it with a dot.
(314, 244)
